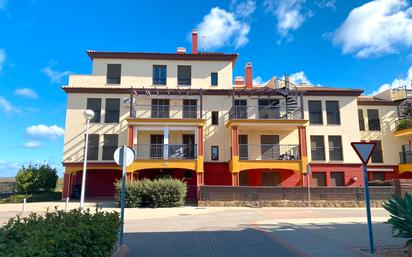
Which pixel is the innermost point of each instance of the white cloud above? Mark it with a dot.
(26, 92)
(327, 4)
(221, 28)
(43, 131)
(289, 15)
(376, 28)
(299, 78)
(32, 144)
(398, 82)
(243, 9)
(259, 81)
(7, 107)
(2, 57)
(54, 75)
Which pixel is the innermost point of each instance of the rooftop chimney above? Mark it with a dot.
(194, 41)
(181, 50)
(248, 75)
(239, 81)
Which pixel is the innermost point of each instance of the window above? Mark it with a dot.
(190, 108)
(184, 75)
(160, 108)
(377, 155)
(378, 176)
(240, 109)
(215, 153)
(109, 146)
(215, 118)
(332, 112)
(93, 147)
(114, 72)
(315, 112)
(159, 74)
(335, 148)
(112, 111)
(188, 174)
(94, 104)
(361, 120)
(337, 179)
(214, 79)
(373, 120)
(271, 179)
(317, 148)
(318, 179)
(269, 109)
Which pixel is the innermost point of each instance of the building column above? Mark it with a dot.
(166, 143)
(199, 141)
(130, 137)
(302, 142)
(235, 178)
(235, 133)
(67, 184)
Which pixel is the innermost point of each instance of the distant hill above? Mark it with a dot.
(7, 179)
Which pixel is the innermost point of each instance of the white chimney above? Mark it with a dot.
(181, 50)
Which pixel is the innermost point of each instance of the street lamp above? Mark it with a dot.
(88, 115)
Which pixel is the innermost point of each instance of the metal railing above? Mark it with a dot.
(113, 80)
(166, 151)
(159, 81)
(405, 123)
(265, 112)
(405, 157)
(166, 111)
(268, 152)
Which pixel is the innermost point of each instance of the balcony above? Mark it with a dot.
(403, 127)
(268, 152)
(263, 116)
(166, 152)
(405, 161)
(267, 156)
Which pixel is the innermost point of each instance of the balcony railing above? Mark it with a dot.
(166, 151)
(184, 82)
(268, 152)
(265, 113)
(405, 157)
(166, 111)
(403, 124)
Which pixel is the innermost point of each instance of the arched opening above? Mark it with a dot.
(269, 177)
(99, 183)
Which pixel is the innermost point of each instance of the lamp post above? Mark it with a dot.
(88, 115)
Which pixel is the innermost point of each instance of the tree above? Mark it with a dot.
(34, 179)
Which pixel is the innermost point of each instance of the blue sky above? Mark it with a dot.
(356, 44)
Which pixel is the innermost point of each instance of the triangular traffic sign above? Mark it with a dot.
(363, 150)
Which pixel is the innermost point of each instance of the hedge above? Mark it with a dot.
(60, 233)
(166, 192)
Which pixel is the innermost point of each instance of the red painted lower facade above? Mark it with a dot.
(100, 182)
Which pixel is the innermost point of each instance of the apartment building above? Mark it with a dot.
(186, 117)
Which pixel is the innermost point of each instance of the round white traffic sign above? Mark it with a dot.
(119, 155)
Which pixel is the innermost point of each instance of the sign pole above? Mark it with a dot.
(364, 151)
(308, 183)
(368, 209)
(123, 159)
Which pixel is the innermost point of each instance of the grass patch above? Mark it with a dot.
(40, 197)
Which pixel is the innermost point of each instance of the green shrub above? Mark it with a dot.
(403, 124)
(34, 179)
(40, 197)
(60, 233)
(156, 193)
(400, 210)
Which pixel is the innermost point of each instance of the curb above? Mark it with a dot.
(120, 251)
